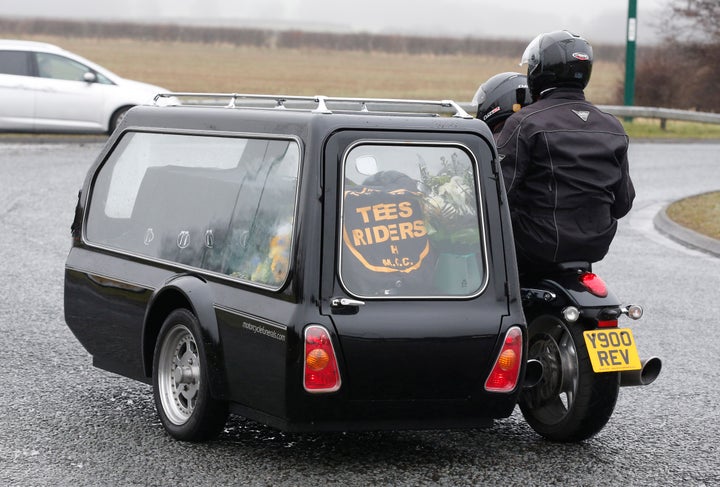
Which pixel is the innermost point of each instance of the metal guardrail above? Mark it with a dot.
(662, 114)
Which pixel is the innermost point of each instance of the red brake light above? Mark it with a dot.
(321, 373)
(505, 372)
(593, 284)
(607, 323)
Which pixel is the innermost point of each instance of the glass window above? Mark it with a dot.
(223, 204)
(60, 67)
(410, 222)
(14, 62)
(103, 80)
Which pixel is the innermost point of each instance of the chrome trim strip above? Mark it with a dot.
(122, 283)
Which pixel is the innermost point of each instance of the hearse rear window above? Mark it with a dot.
(410, 222)
(222, 204)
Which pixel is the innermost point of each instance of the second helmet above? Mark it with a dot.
(501, 96)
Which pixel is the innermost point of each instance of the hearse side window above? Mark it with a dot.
(410, 222)
(223, 204)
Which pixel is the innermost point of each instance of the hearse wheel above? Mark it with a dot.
(180, 381)
(571, 402)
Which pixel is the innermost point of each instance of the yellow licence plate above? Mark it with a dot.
(612, 350)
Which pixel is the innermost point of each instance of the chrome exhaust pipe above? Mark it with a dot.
(533, 373)
(649, 371)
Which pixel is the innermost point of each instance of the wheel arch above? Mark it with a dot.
(192, 293)
(115, 117)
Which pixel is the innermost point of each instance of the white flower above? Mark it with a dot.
(456, 194)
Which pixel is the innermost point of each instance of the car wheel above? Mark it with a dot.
(571, 402)
(117, 118)
(180, 381)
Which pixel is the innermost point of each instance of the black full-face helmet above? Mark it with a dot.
(501, 96)
(557, 59)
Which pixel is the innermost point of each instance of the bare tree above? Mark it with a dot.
(683, 72)
(695, 20)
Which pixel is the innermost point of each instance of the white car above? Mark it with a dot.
(44, 88)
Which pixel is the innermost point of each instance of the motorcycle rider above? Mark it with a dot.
(499, 97)
(564, 161)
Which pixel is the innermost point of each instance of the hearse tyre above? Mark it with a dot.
(181, 382)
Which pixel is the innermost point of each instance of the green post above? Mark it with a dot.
(630, 53)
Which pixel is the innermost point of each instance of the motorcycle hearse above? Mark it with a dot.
(330, 264)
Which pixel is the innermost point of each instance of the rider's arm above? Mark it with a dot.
(515, 153)
(624, 190)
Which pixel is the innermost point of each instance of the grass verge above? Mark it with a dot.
(700, 213)
(643, 128)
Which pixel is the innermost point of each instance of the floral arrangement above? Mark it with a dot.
(450, 206)
(274, 268)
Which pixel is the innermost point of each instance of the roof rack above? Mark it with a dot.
(317, 104)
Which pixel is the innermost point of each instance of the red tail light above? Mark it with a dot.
(505, 372)
(593, 284)
(607, 323)
(321, 373)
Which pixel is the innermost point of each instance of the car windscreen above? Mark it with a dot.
(222, 204)
(411, 221)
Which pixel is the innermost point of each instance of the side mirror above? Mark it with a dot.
(90, 77)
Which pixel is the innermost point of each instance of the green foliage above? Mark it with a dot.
(450, 206)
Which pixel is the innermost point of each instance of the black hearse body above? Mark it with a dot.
(377, 241)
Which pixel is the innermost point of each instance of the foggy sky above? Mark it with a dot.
(598, 21)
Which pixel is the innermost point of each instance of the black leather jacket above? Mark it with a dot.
(565, 168)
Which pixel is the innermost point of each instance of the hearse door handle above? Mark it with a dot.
(341, 302)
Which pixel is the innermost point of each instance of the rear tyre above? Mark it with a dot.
(180, 381)
(117, 118)
(571, 402)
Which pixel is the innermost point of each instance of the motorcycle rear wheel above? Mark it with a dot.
(571, 402)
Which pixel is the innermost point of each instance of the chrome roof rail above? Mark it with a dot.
(316, 104)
